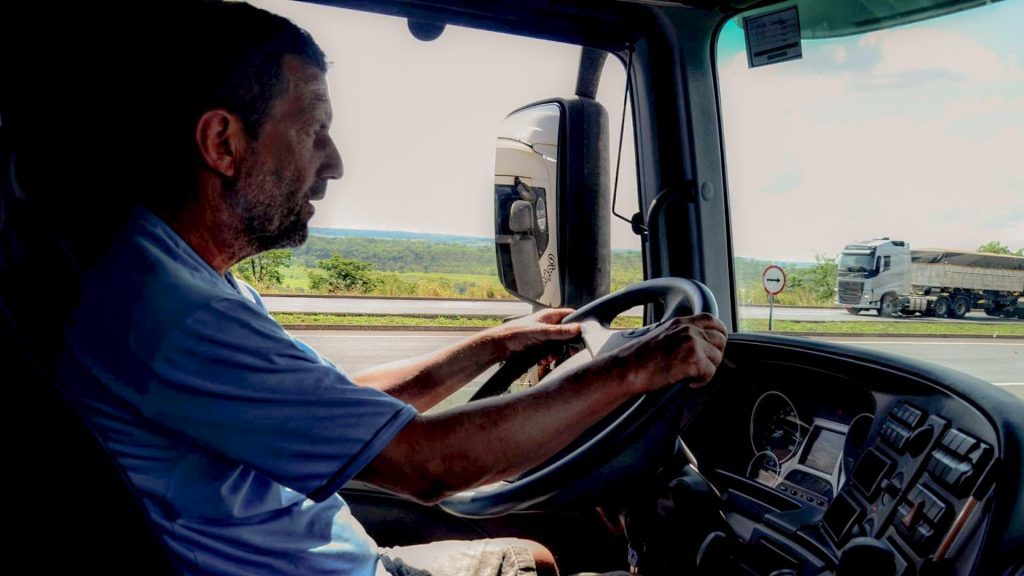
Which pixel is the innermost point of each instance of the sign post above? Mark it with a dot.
(773, 279)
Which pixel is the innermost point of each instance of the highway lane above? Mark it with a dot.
(1000, 362)
(431, 307)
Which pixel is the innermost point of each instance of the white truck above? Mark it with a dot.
(886, 276)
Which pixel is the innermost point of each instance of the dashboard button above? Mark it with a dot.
(958, 461)
(908, 414)
(895, 434)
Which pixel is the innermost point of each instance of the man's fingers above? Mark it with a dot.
(714, 354)
(563, 331)
(716, 339)
(707, 321)
(553, 316)
(706, 365)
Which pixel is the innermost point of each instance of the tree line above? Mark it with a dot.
(385, 266)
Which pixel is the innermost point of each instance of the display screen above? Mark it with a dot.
(825, 448)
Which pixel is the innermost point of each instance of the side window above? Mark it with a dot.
(886, 263)
(413, 217)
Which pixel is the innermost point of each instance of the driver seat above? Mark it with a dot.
(74, 510)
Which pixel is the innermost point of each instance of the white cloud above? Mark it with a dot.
(815, 163)
(915, 50)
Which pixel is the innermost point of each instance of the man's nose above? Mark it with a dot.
(333, 168)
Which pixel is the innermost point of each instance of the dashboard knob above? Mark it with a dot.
(891, 488)
(866, 556)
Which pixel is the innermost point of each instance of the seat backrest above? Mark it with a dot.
(72, 508)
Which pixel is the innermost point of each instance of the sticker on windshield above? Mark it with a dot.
(773, 37)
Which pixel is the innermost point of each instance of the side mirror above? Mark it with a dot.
(525, 203)
(552, 200)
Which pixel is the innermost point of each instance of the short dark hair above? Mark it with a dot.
(229, 55)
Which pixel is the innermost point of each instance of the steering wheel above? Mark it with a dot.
(641, 431)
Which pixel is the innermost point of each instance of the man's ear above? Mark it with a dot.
(222, 139)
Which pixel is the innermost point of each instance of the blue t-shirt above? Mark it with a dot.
(236, 435)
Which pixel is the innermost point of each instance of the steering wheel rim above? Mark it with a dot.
(645, 415)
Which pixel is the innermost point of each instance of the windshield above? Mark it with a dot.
(856, 262)
(876, 137)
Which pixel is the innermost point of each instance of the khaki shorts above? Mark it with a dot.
(457, 558)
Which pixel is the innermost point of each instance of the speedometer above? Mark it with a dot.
(775, 426)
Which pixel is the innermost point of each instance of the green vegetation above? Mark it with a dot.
(420, 268)
(997, 247)
(432, 321)
(386, 255)
(627, 268)
(895, 328)
(359, 320)
(395, 267)
(264, 269)
(337, 275)
(806, 284)
(753, 325)
(409, 267)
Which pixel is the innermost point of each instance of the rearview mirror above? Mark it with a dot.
(526, 202)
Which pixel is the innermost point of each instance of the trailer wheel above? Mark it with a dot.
(853, 310)
(941, 307)
(960, 308)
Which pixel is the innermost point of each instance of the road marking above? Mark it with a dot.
(1008, 383)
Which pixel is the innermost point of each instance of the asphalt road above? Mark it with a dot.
(342, 305)
(1000, 362)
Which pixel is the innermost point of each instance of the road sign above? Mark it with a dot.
(773, 279)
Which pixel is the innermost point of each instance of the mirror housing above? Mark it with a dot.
(552, 200)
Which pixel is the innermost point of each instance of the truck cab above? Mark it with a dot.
(872, 275)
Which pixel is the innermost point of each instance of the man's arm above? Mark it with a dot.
(427, 380)
(438, 455)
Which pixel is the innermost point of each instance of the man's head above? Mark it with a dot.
(250, 115)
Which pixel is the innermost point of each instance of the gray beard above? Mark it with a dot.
(268, 220)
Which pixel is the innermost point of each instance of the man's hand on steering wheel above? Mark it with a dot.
(533, 330)
(685, 349)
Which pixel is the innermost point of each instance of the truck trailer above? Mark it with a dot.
(888, 277)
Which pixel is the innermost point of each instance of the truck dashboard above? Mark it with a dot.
(817, 450)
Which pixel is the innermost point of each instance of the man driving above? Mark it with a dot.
(235, 435)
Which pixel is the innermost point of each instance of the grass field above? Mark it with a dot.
(893, 328)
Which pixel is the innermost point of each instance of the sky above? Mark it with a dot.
(914, 133)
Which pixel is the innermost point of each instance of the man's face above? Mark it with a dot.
(288, 165)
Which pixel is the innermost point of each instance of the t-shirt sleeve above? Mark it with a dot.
(231, 379)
